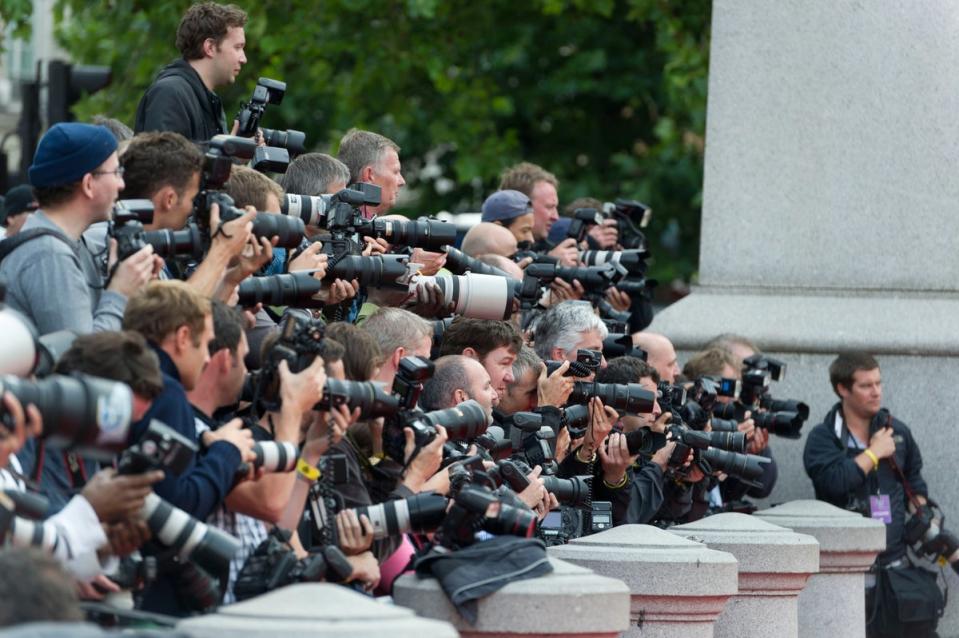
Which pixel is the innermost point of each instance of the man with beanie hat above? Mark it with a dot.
(52, 277)
(512, 210)
(182, 99)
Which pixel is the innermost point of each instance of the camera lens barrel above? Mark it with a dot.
(573, 491)
(748, 466)
(422, 513)
(644, 441)
(290, 230)
(311, 209)
(368, 396)
(428, 234)
(463, 422)
(275, 456)
(376, 271)
(631, 398)
(292, 289)
(459, 263)
(176, 243)
(292, 140)
(193, 540)
(476, 295)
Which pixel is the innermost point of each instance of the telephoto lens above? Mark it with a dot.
(192, 539)
(747, 466)
(634, 261)
(22, 532)
(784, 424)
(311, 209)
(593, 278)
(418, 514)
(731, 441)
(459, 263)
(80, 411)
(689, 437)
(428, 234)
(463, 422)
(19, 346)
(290, 230)
(275, 456)
(292, 140)
(476, 296)
(785, 405)
(573, 491)
(498, 517)
(293, 289)
(628, 398)
(377, 271)
(644, 441)
(368, 396)
(176, 243)
(723, 425)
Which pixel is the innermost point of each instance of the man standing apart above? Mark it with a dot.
(182, 99)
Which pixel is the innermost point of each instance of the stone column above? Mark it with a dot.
(571, 601)
(774, 564)
(829, 210)
(315, 610)
(848, 545)
(677, 587)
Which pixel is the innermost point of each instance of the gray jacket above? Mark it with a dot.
(58, 285)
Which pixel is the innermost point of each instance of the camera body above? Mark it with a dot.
(268, 91)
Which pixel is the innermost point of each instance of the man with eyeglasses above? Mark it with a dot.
(51, 275)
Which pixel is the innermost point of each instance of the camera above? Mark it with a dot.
(924, 531)
(621, 345)
(298, 344)
(594, 279)
(629, 398)
(634, 261)
(162, 448)
(368, 396)
(20, 524)
(273, 564)
(217, 164)
(418, 514)
(630, 216)
(268, 91)
(81, 411)
(644, 442)
(126, 226)
(583, 219)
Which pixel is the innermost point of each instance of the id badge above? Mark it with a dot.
(880, 509)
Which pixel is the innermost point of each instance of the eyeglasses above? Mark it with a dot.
(118, 172)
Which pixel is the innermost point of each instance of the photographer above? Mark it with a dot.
(18, 204)
(720, 363)
(374, 159)
(645, 484)
(166, 168)
(52, 277)
(251, 505)
(456, 379)
(862, 459)
(315, 174)
(399, 333)
(513, 211)
(566, 328)
(181, 99)
(541, 187)
(660, 354)
(495, 344)
(533, 387)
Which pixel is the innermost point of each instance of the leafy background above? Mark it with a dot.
(608, 94)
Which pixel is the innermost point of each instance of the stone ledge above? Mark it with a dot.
(815, 321)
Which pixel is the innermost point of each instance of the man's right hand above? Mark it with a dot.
(427, 461)
(663, 454)
(115, 497)
(882, 443)
(567, 252)
(233, 432)
(230, 238)
(303, 389)
(554, 389)
(134, 272)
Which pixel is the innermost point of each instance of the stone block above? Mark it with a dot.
(848, 545)
(314, 609)
(571, 601)
(677, 587)
(774, 564)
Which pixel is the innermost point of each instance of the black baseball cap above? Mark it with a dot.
(19, 199)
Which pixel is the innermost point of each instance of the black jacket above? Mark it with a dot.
(838, 480)
(178, 101)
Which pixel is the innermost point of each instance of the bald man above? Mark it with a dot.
(486, 238)
(660, 354)
(506, 265)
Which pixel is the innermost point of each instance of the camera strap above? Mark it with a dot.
(10, 244)
(910, 493)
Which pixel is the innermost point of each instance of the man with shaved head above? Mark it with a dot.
(486, 238)
(660, 354)
(506, 265)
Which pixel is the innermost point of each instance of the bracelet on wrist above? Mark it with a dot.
(306, 471)
(579, 456)
(616, 486)
(872, 457)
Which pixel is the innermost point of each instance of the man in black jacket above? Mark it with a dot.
(861, 459)
(182, 99)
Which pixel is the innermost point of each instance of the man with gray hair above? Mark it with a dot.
(457, 378)
(399, 333)
(315, 174)
(568, 327)
(373, 158)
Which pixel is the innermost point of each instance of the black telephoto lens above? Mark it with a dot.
(459, 263)
(293, 289)
(378, 271)
(784, 424)
(573, 491)
(292, 140)
(785, 405)
(723, 425)
(463, 422)
(731, 441)
(290, 230)
(369, 397)
(747, 466)
(428, 234)
(644, 441)
(173, 243)
(629, 398)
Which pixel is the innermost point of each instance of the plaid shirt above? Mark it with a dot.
(250, 531)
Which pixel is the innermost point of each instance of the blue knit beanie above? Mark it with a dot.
(69, 151)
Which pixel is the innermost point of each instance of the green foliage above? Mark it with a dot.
(608, 94)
